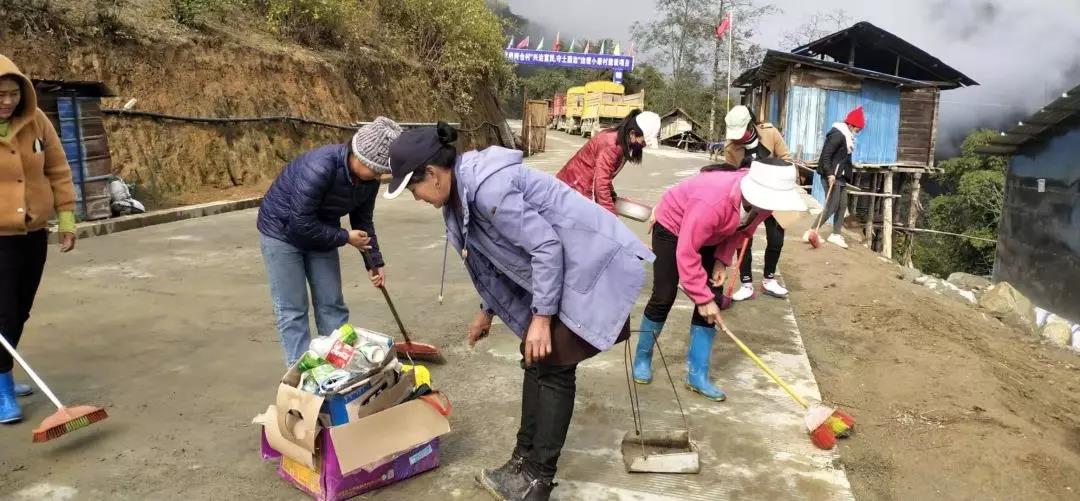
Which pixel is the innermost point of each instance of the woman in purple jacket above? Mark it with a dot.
(300, 230)
(560, 271)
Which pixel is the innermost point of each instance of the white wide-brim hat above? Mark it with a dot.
(773, 187)
(649, 123)
(736, 122)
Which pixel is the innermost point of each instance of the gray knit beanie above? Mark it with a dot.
(371, 144)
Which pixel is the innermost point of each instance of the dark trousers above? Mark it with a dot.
(547, 404)
(666, 275)
(22, 261)
(774, 238)
(836, 205)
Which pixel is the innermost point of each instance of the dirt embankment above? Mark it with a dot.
(221, 70)
(951, 404)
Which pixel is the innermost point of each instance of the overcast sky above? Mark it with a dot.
(1022, 53)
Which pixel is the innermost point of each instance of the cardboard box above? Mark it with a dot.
(325, 482)
(381, 391)
(381, 443)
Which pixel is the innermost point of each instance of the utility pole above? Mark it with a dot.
(717, 47)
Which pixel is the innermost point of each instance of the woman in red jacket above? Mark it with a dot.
(594, 167)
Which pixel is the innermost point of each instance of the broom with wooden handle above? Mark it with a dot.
(825, 424)
(812, 237)
(419, 351)
(66, 419)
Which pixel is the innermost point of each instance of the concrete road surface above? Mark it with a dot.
(170, 327)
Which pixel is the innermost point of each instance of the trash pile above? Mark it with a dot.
(346, 356)
(350, 418)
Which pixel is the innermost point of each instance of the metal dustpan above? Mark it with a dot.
(657, 451)
(660, 452)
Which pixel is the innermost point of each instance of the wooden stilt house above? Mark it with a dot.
(805, 91)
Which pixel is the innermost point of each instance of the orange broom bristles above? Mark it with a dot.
(823, 437)
(66, 421)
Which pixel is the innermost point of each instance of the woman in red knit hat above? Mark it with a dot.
(835, 165)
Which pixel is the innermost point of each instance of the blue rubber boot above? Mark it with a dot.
(697, 363)
(9, 408)
(23, 390)
(643, 355)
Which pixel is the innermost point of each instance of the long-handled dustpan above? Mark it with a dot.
(656, 451)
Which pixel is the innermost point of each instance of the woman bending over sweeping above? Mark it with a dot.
(300, 230)
(749, 140)
(558, 270)
(593, 168)
(700, 223)
(35, 182)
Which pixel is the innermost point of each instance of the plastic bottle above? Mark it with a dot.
(310, 360)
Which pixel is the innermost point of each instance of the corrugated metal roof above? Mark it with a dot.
(776, 61)
(868, 36)
(1031, 128)
(86, 88)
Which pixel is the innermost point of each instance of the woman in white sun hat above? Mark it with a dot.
(748, 140)
(700, 223)
(593, 168)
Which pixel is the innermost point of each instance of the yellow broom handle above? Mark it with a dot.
(764, 367)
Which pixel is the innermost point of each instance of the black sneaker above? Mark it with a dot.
(505, 481)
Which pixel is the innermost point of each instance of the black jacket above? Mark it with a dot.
(305, 204)
(835, 159)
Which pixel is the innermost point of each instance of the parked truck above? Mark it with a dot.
(557, 110)
(570, 120)
(604, 105)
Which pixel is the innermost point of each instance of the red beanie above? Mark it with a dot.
(856, 118)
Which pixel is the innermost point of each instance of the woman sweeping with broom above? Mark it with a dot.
(300, 230)
(35, 183)
(560, 271)
(749, 140)
(700, 223)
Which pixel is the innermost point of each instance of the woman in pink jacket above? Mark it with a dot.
(700, 223)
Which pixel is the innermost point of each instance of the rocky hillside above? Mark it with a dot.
(230, 58)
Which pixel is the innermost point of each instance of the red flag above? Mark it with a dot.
(558, 43)
(588, 46)
(724, 25)
(524, 44)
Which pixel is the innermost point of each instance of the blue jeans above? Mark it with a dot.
(291, 272)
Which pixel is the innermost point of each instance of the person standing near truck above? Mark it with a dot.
(300, 230)
(560, 272)
(35, 182)
(747, 141)
(592, 170)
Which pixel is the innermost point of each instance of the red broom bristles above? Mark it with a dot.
(70, 426)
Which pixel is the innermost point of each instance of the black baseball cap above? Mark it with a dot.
(412, 150)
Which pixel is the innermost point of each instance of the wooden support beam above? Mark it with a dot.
(887, 217)
(868, 231)
(912, 219)
(934, 129)
(867, 194)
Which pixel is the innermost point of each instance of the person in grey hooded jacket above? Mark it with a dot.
(560, 271)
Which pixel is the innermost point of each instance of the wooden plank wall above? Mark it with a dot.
(831, 80)
(918, 109)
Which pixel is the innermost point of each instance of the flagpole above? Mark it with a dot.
(731, 50)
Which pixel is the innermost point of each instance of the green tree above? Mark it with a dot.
(971, 206)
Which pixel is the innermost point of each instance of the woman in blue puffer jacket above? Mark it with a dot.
(299, 222)
(559, 270)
